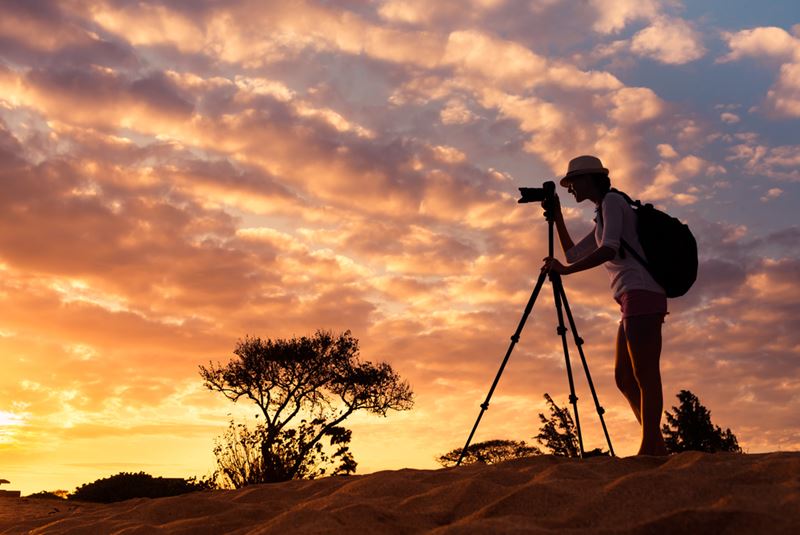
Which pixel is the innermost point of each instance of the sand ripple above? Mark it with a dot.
(687, 493)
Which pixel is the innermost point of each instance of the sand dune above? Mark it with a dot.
(687, 493)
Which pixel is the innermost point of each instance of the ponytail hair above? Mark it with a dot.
(602, 181)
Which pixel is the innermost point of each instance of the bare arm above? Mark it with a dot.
(599, 256)
(593, 259)
(563, 233)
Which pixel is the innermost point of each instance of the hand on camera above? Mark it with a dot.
(554, 204)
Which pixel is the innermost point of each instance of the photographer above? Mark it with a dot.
(642, 301)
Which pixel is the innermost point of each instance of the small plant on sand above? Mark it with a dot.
(557, 433)
(304, 388)
(490, 452)
(689, 427)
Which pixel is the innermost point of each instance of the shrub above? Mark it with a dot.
(127, 485)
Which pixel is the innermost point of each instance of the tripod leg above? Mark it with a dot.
(579, 344)
(555, 279)
(514, 340)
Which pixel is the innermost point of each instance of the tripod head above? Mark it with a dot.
(546, 195)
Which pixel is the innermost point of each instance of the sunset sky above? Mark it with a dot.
(178, 175)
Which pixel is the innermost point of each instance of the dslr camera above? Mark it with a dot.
(545, 194)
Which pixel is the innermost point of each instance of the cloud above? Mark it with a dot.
(257, 34)
(44, 34)
(73, 95)
(614, 15)
(730, 118)
(150, 24)
(784, 97)
(777, 45)
(666, 151)
(631, 105)
(508, 63)
(668, 40)
(456, 112)
(771, 194)
(677, 173)
(468, 52)
(422, 12)
(758, 158)
(771, 42)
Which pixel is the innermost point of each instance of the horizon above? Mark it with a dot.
(177, 176)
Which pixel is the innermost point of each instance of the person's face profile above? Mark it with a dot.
(577, 188)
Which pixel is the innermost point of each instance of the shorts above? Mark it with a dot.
(642, 303)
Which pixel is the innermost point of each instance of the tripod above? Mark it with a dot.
(560, 298)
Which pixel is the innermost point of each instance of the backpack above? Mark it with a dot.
(668, 244)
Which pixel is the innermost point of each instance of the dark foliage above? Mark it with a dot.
(317, 380)
(557, 433)
(689, 427)
(127, 485)
(489, 452)
(49, 495)
(245, 457)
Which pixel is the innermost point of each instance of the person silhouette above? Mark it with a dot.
(642, 300)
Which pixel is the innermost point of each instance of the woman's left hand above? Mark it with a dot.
(551, 264)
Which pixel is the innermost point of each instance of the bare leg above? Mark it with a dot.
(623, 374)
(644, 346)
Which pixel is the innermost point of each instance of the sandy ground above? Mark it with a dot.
(687, 493)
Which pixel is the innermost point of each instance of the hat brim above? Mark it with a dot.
(575, 174)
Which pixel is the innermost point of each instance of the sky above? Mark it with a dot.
(179, 175)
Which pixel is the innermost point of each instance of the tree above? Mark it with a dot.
(126, 485)
(318, 380)
(690, 428)
(557, 433)
(489, 452)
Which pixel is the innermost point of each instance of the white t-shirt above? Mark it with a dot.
(618, 222)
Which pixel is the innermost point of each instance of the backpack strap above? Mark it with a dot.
(637, 203)
(636, 255)
(623, 243)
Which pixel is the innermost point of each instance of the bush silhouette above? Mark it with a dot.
(489, 452)
(689, 427)
(557, 435)
(49, 495)
(304, 389)
(127, 485)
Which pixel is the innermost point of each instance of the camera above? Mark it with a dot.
(546, 193)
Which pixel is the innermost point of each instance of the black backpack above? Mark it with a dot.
(668, 244)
